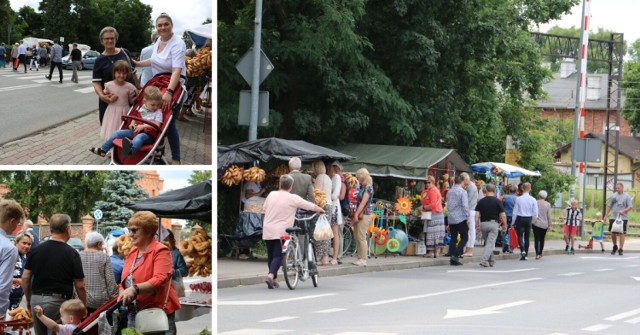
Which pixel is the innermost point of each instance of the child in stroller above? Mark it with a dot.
(138, 134)
(71, 313)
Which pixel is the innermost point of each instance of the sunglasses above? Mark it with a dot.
(134, 230)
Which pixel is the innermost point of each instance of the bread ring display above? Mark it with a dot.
(124, 244)
(197, 252)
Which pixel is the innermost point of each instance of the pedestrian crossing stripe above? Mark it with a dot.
(40, 81)
(19, 87)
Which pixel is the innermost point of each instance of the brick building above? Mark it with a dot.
(561, 100)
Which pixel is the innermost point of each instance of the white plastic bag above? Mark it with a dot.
(323, 230)
(617, 226)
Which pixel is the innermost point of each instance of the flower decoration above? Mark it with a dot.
(403, 205)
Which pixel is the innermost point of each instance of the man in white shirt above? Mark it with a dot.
(22, 55)
(525, 210)
(11, 214)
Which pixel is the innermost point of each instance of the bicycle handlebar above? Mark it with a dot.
(305, 212)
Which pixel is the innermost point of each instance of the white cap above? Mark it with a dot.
(543, 194)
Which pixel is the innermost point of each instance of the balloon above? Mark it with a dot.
(400, 236)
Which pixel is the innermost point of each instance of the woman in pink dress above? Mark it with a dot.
(125, 94)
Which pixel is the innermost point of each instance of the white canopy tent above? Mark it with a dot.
(510, 171)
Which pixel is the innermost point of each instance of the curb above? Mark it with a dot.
(348, 269)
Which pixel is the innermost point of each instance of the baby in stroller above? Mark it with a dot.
(138, 134)
(71, 313)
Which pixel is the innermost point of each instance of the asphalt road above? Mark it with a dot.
(556, 295)
(31, 103)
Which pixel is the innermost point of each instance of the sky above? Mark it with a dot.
(184, 13)
(620, 16)
(174, 179)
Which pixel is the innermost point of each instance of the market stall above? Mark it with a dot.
(262, 162)
(411, 164)
(500, 173)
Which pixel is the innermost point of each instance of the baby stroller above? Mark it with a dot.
(152, 153)
(89, 326)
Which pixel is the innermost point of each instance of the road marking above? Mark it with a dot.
(632, 266)
(633, 321)
(610, 258)
(250, 331)
(623, 315)
(282, 318)
(570, 274)
(558, 334)
(333, 310)
(267, 302)
(493, 271)
(253, 331)
(596, 328)
(18, 87)
(85, 90)
(636, 278)
(365, 333)
(602, 270)
(461, 313)
(391, 301)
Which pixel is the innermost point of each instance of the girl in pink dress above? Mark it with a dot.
(122, 95)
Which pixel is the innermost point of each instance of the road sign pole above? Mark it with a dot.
(255, 83)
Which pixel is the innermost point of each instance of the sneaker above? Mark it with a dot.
(126, 147)
(566, 248)
(602, 251)
(615, 248)
(620, 252)
(454, 261)
(492, 263)
(360, 262)
(572, 251)
(484, 264)
(523, 256)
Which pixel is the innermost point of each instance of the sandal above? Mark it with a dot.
(334, 262)
(98, 151)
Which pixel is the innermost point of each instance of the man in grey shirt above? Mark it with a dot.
(619, 205)
(458, 218)
(56, 59)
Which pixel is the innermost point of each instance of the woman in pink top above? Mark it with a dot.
(279, 214)
(434, 228)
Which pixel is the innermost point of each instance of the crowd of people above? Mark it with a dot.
(61, 286)
(469, 211)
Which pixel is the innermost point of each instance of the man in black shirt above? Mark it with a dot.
(56, 270)
(76, 62)
(490, 214)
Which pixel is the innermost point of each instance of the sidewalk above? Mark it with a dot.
(233, 272)
(69, 143)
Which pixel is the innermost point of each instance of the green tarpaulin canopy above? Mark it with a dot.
(399, 161)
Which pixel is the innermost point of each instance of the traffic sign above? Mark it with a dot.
(97, 214)
(244, 110)
(245, 66)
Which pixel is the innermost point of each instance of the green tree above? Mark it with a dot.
(7, 16)
(199, 176)
(58, 19)
(631, 87)
(34, 26)
(119, 188)
(48, 192)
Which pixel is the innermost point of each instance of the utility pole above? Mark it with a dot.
(255, 83)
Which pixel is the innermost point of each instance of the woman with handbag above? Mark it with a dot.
(100, 285)
(146, 287)
(433, 218)
(180, 269)
(362, 216)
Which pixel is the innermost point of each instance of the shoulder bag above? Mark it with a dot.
(617, 226)
(153, 320)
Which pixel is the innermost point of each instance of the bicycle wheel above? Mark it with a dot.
(291, 265)
(349, 243)
(314, 276)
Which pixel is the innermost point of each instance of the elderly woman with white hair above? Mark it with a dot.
(542, 223)
(98, 273)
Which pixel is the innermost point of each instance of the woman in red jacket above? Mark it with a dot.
(433, 228)
(146, 276)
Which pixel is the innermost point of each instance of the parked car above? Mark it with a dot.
(73, 242)
(88, 59)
